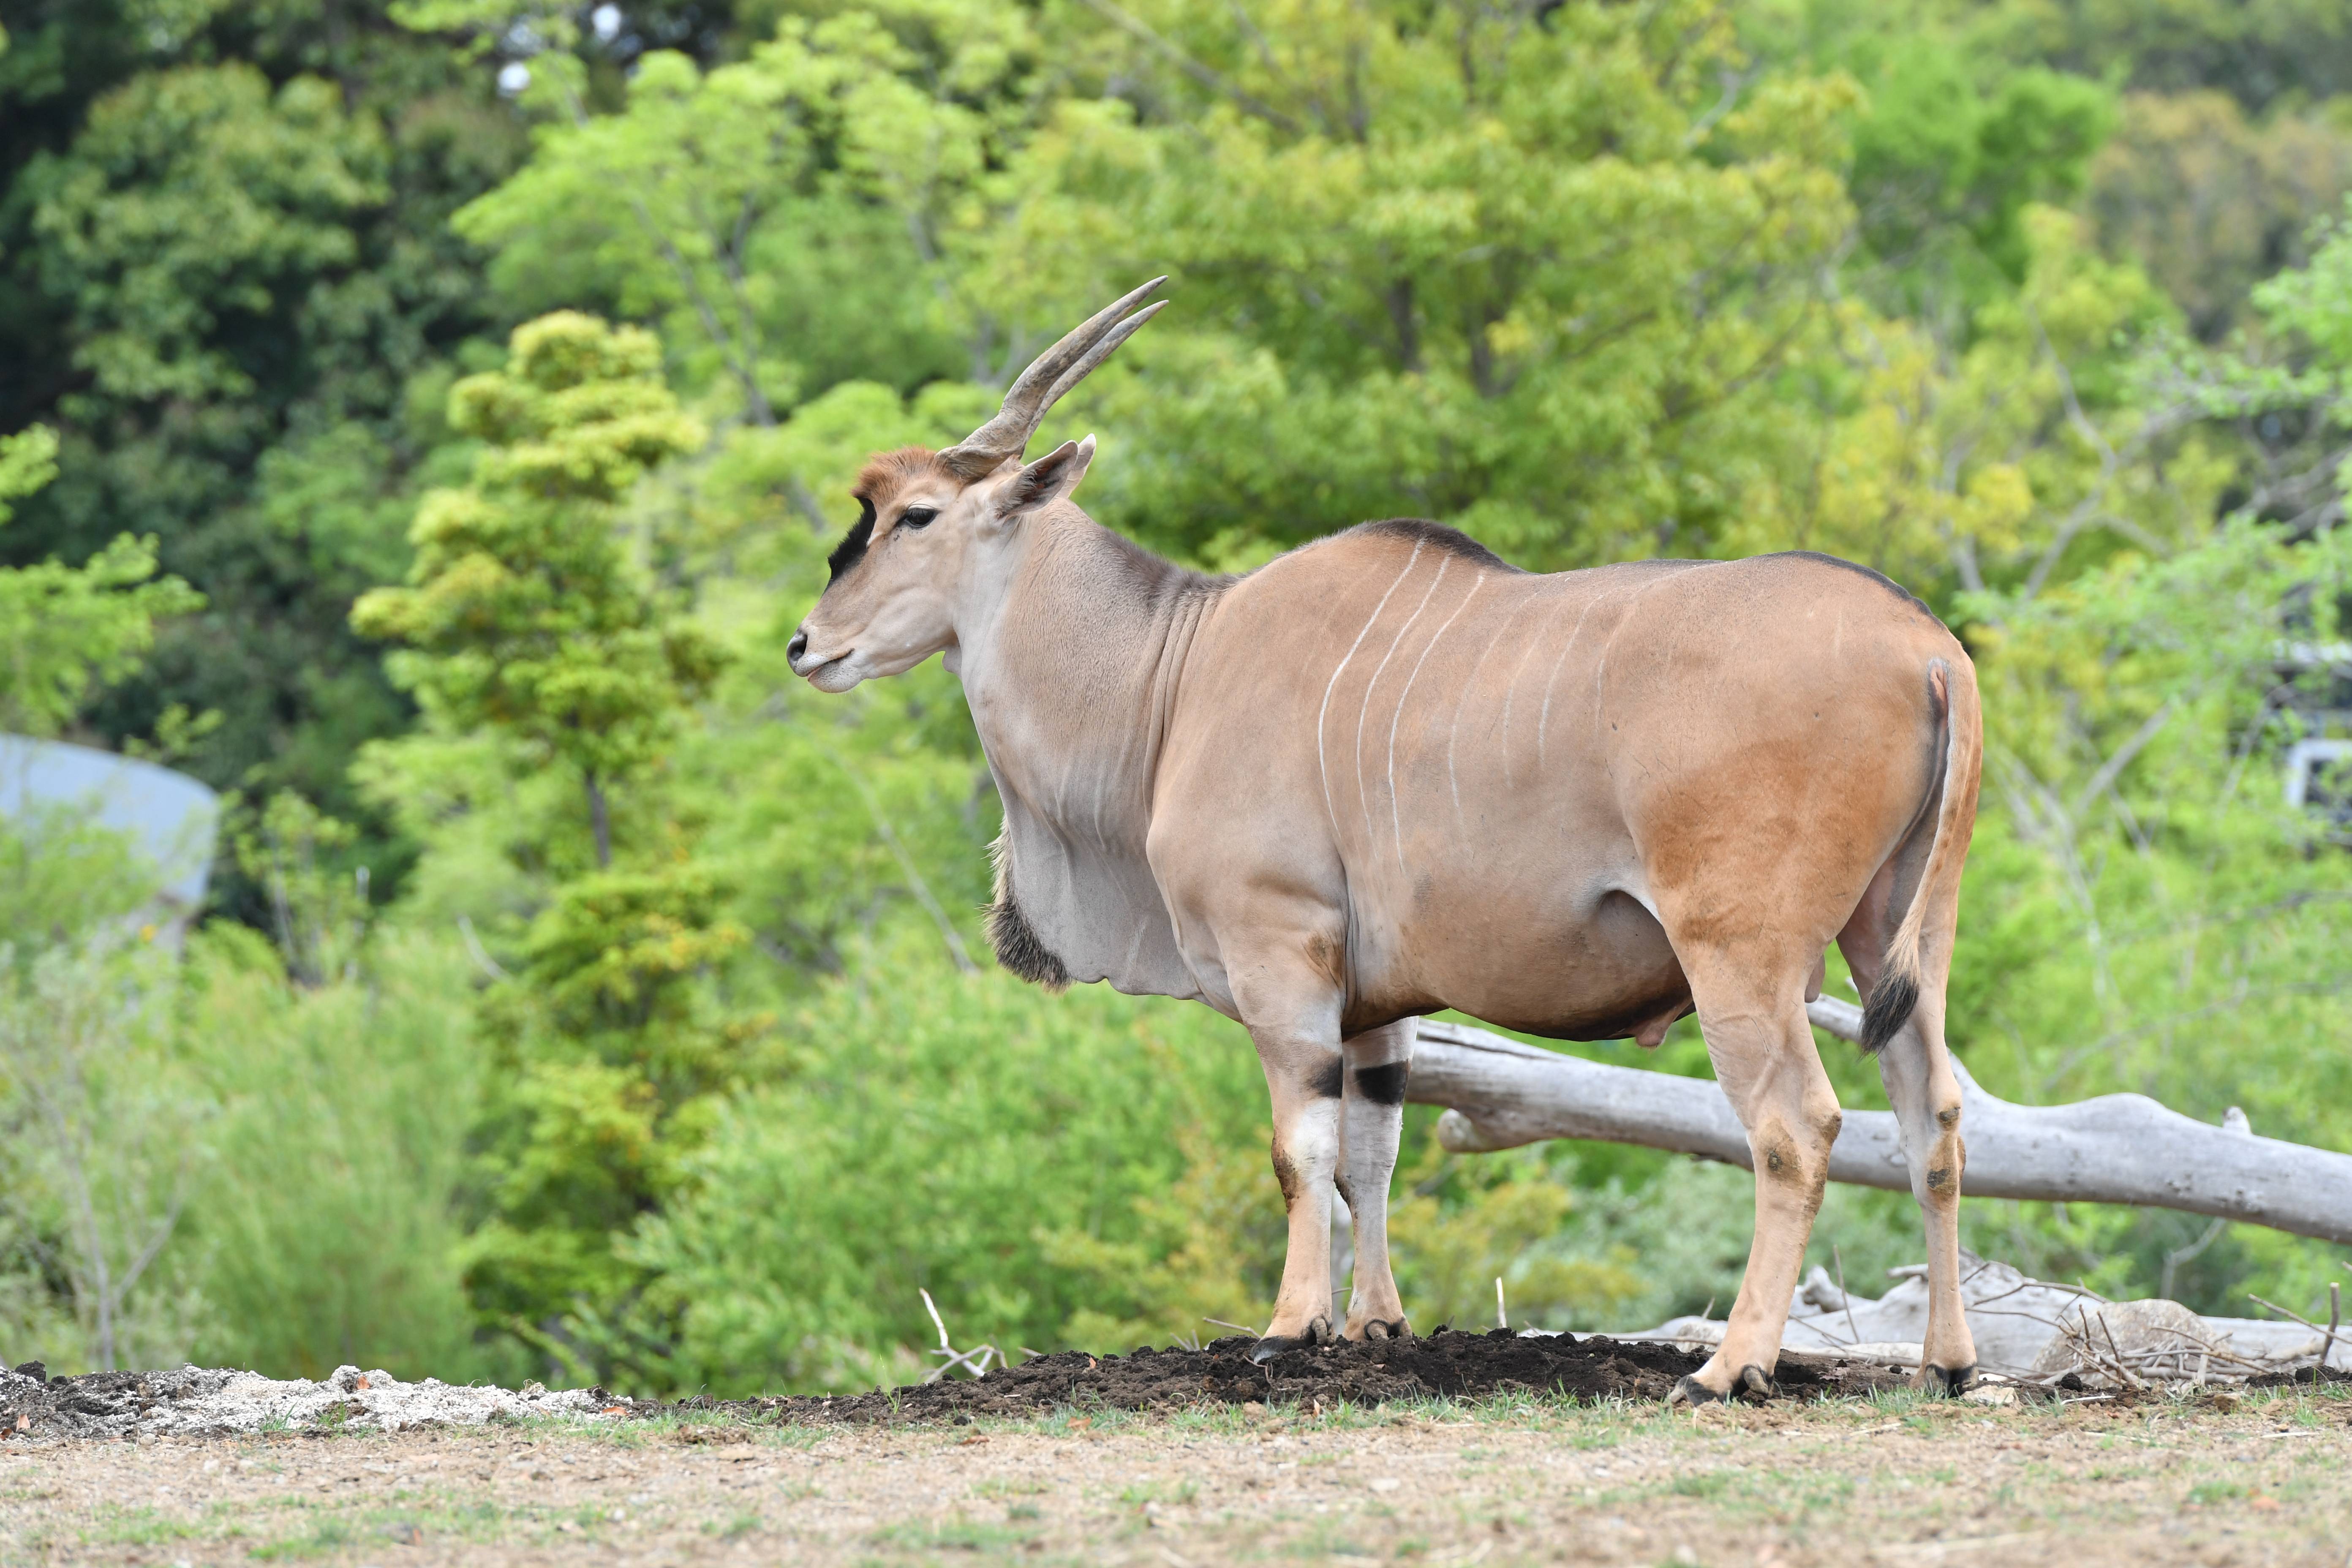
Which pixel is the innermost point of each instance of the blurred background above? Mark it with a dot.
(440, 935)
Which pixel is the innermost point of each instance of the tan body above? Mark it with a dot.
(1387, 774)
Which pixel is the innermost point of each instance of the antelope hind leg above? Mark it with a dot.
(1371, 1119)
(1764, 1057)
(1917, 1072)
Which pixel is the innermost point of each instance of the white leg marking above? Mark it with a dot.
(1396, 820)
(1454, 725)
(1363, 796)
(1319, 764)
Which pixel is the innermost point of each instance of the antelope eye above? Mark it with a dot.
(918, 516)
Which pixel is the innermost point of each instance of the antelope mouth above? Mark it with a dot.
(833, 674)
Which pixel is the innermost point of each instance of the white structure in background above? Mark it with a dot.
(2307, 760)
(2303, 759)
(172, 819)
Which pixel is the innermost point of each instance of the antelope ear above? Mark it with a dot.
(1046, 480)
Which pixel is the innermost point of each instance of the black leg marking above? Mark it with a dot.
(1384, 1084)
(1690, 1390)
(1318, 1333)
(1951, 1379)
(1325, 1084)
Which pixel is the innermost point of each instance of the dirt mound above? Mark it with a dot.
(1443, 1364)
(195, 1401)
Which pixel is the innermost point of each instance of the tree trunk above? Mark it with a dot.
(600, 819)
(2117, 1148)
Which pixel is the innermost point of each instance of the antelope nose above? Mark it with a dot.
(795, 648)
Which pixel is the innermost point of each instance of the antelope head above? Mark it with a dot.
(932, 522)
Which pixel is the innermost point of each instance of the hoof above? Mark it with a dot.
(1318, 1333)
(1397, 1329)
(1690, 1390)
(1952, 1380)
(1752, 1381)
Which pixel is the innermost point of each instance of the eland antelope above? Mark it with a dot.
(1389, 773)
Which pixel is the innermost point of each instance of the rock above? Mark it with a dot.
(2154, 1339)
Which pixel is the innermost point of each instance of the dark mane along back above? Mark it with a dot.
(1859, 570)
(1437, 536)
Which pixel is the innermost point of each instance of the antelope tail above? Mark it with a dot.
(1961, 728)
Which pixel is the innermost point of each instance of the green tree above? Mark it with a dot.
(526, 614)
(227, 279)
(66, 631)
(1549, 282)
(535, 636)
(782, 215)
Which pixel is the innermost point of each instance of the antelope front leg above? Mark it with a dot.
(1303, 1076)
(1372, 1119)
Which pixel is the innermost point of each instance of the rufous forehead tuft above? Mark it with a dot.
(885, 474)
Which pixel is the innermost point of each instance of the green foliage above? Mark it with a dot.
(64, 631)
(2211, 200)
(1534, 280)
(929, 1130)
(324, 1230)
(192, 193)
(525, 612)
(100, 1150)
(224, 263)
(781, 213)
(1943, 155)
(62, 876)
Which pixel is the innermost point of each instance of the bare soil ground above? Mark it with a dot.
(1444, 1364)
(2266, 1478)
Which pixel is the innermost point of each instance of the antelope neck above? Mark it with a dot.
(1075, 673)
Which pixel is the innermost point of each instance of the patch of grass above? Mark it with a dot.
(1701, 1484)
(951, 1535)
(120, 1526)
(1001, 1486)
(2204, 1494)
(1324, 1540)
(735, 1529)
(327, 1535)
(1217, 1419)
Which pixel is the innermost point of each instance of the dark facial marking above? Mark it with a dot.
(1384, 1084)
(852, 548)
(1326, 1081)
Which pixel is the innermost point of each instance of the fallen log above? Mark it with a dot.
(2116, 1149)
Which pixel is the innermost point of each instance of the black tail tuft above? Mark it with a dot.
(1891, 1001)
